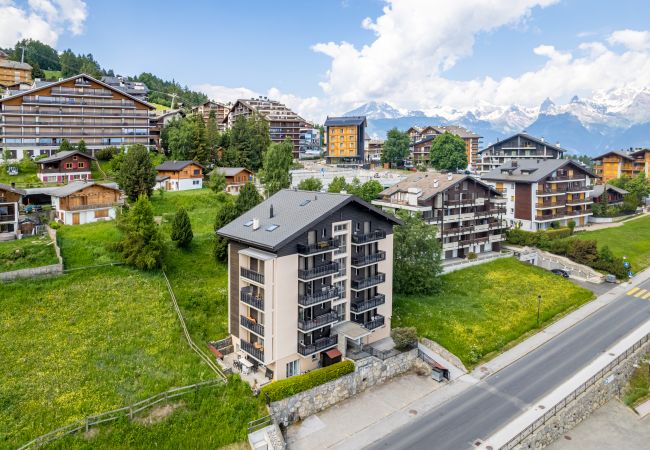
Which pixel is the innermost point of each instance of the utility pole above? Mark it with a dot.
(22, 57)
(539, 304)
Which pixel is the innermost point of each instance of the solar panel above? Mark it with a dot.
(272, 227)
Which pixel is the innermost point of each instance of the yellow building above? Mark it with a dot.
(345, 139)
(615, 164)
(13, 72)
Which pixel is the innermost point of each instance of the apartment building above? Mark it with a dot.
(310, 143)
(308, 272)
(136, 89)
(283, 123)
(616, 164)
(520, 146)
(469, 214)
(220, 112)
(13, 72)
(541, 192)
(422, 138)
(35, 122)
(345, 139)
(372, 153)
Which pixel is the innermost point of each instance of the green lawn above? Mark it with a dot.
(27, 253)
(638, 388)
(632, 239)
(482, 309)
(26, 175)
(87, 245)
(52, 74)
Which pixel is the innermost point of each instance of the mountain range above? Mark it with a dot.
(608, 120)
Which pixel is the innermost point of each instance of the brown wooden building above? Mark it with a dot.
(422, 138)
(220, 110)
(179, 175)
(10, 199)
(236, 177)
(80, 202)
(64, 167)
(13, 72)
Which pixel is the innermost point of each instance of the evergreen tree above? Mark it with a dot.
(81, 146)
(448, 153)
(217, 181)
(310, 184)
(275, 173)
(396, 147)
(338, 184)
(65, 146)
(182, 229)
(248, 198)
(137, 175)
(142, 245)
(225, 214)
(212, 139)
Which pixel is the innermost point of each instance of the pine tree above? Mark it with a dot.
(248, 198)
(81, 146)
(65, 146)
(142, 245)
(182, 229)
(212, 138)
(137, 175)
(225, 214)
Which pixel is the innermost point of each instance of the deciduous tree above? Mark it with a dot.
(448, 153)
(310, 184)
(217, 181)
(275, 173)
(338, 184)
(396, 147)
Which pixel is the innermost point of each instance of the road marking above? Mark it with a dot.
(640, 293)
(632, 291)
(646, 296)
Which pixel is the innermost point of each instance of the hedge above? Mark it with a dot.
(280, 389)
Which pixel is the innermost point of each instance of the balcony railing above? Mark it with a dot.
(319, 271)
(251, 275)
(251, 325)
(319, 297)
(86, 207)
(318, 321)
(8, 218)
(364, 305)
(321, 246)
(319, 345)
(247, 296)
(549, 216)
(257, 353)
(556, 204)
(368, 237)
(579, 212)
(363, 283)
(376, 322)
(368, 259)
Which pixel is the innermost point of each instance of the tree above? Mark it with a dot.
(370, 190)
(571, 224)
(638, 186)
(248, 198)
(217, 181)
(354, 187)
(310, 184)
(182, 229)
(142, 245)
(185, 139)
(137, 175)
(275, 173)
(338, 184)
(225, 214)
(630, 203)
(65, 146)
(249, 137)
(212, 139)
(416, 263)
(405, 337)
(448, 153)
(81, 146)
(396, 147)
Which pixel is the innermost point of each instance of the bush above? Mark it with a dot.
(583, 251)
(106, 154)
(280, 389)
(182, 229)
(471, 256)
(54, 225)
(405, 337)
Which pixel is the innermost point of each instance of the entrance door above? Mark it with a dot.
(75, 218)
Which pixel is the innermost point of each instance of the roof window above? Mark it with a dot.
(249, 223)
(272, 227)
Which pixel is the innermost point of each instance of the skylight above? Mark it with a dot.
(305, 202)
(272, 227)
(249, 223)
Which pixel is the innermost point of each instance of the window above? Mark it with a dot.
(324, 233)
(101, 213)
(68, 165)
(195, 182)
(293, 368)
(341, 227)
(74, 158)
(196, 171)
(357, 226)
(81, 165)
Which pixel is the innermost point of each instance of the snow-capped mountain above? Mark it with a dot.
(614, 119)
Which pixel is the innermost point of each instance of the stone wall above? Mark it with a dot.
(577, 409)
(549, 261)
(443, 352)
(368, 372)
(51, 270)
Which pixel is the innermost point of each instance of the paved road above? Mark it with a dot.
(489, 405)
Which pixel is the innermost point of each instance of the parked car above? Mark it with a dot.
(609, 278)
(560, 272)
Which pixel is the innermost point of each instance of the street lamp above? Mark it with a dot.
(539, 304)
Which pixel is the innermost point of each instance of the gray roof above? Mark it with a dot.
(229, 171)
(75, 186)
(290, 217)
(426, 182)
(527, 136)
(351, 120)
(14, 64)
(614, 152)
(530, 171)
(62, 155)
(6, 187)
(600, 188)
(175, 166)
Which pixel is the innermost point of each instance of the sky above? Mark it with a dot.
(325, 57)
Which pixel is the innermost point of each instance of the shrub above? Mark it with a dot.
(404, 338)
(280, 389)
(560, 232)
(583, 251)
(106, 154)
(471, 256)
(182, 229)
(572, 225)
(54, 225)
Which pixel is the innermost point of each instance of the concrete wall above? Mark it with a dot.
(550, 261)
(369, 372)
(446, 354)
(51, 270)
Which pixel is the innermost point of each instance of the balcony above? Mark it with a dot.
(318, 247)
(251, 275)
(364, 305)
(456, 230)
(368, 237)
(8, 218)
(364, 283)
(376, 322)
(543, 217)
(320, 297)
(256, 350)
(318, 346)
(251, 325)
(255, 300)
(576, 189)
(578, 212)
(319, 271)
(87, 207)
(318, 321)
(560, 202)
(364, 260)
(548, 191)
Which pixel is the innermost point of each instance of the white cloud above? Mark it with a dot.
(224, 94)
(44, 20)
(632, 39)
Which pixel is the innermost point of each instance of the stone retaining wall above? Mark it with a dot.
(443, 352)
(368, 372)
(609, 386)
(51, 270)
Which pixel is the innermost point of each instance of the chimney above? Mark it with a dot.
(315, 197)
(271, 212)
(256, 223)
(542, 139)
(449, 176)
(13, 184)
(435, 183)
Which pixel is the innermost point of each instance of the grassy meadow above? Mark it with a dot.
(27, 253)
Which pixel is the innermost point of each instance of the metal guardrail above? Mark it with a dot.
(512, 443)
(260, 423)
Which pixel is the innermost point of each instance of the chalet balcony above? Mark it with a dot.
(376, 322)
(256, 350)
(365, 238)
(364, 305)
(564, 178)
(323, 320)
(318, 271)
(365, 260)
(247, 296)
(319, 297)
(578, 188)
(82, 92)
(318, 346)
(87, 207)
(31, 99)
(455, 230)
(319, 247)
(251, 325)
(251, 275)
(366, 282)
(546, 190)
(578, 212)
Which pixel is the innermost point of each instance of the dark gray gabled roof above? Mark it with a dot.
(6, 187)
(600, 188)
(342, 121)
(229, 171)
(175, 166)
(614, 152)
(62, 155)
(293, 212)
(530, 171)
(527, 136)
(75, 186)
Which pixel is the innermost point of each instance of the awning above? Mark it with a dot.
(333, 353)
(351, 330)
